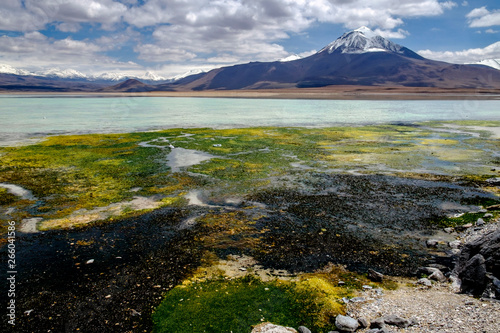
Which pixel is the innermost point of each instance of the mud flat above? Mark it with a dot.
(294, 210)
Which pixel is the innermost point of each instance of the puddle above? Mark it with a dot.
(18, 191)
(180, 158)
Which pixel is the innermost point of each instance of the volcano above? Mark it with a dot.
(358, 57)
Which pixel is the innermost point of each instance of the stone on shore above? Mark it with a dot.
(346, 323)
(478, 266)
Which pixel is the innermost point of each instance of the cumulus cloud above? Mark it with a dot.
(482, 17)
(28, 15)
(465, 56)
(194, 31)
(35, 51)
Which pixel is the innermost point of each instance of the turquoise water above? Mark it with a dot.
(22, 117)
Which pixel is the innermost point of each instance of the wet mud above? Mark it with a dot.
(105, 278)
(110, 277)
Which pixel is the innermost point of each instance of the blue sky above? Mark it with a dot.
(171, 37)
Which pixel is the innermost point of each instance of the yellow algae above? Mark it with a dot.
(434, 142)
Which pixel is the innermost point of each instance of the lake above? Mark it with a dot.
(22, 117)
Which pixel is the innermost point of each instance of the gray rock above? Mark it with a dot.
(303, 329)
(438, 276)
(363, 322)
(479, 264)
(375, 276)
(396, 321)
(479, 222)
(346, 323)
(377, 323)
(425, 282)
(455, 244)
(488, 215)
(433, 273)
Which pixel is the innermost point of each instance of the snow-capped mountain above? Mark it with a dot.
(62, 74)
(362, 40)
(495, 63)
(7, 69)
(72, 74)
(290, 58)
(186, 74)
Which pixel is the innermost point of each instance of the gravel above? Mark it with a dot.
(437, 309)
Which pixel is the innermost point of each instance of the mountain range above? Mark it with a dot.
(359, 57)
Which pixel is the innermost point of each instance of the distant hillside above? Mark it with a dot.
(131, 85)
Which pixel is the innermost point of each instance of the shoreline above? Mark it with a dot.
(323, 93)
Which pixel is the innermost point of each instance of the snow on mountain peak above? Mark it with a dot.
(369, 33)
(362, 40)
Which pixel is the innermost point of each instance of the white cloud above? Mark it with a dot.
(482, 17)
(465, 56)
(191, 32)
(28, 15)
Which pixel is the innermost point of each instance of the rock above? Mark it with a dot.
(425, 282)
(90, 261)
(375, 276)
(271, 328)
(303, 329)
(438, 276)
(478, 265)
(455, 244)
(346, 323)
(432, 243)
(449, 230)
(396, 321)
(363, 322)
(433, 273)
(468, 225)
(479, 222)
(378, 323)
(488, 215)
(367, 287)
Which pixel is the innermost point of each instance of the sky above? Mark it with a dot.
(172, 37)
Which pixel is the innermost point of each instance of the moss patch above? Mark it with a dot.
(237, 305)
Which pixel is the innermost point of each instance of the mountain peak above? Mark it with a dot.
(369, 33)
(362, 40)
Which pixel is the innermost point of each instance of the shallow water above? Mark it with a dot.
(23, 117)
(180, 158)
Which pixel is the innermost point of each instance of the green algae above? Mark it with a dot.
(73, 172)
(236, 305)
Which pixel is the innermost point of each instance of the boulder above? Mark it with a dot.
(478, 265)
(396, 321)
(346, 323)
